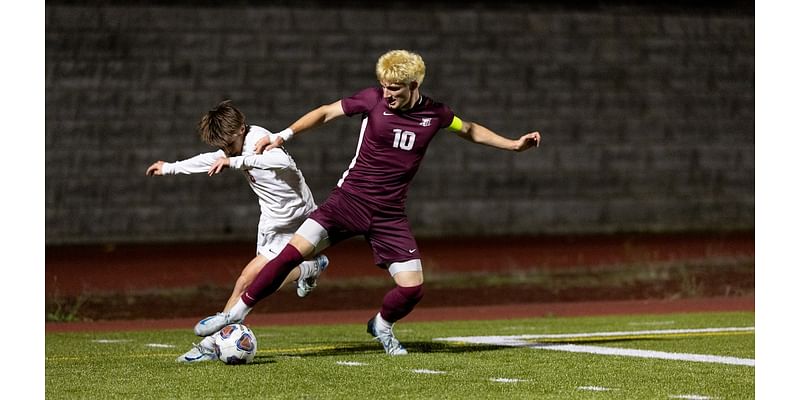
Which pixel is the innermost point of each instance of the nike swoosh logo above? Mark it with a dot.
(412, 250)
(387, 113)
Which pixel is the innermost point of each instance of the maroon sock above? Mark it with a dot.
(399, 302)
(269, 280)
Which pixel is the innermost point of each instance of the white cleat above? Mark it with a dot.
(309, 272)
(197, 354)
(387, 339)
(211, 325)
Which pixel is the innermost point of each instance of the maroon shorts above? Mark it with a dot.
(387, 231)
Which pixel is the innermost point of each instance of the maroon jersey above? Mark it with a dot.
(390, 147)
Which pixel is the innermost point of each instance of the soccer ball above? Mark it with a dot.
(235, 344)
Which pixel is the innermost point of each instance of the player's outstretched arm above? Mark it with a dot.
(312, 119)
(219, 165)
(479, 134)
(155, 169)
(195, 165)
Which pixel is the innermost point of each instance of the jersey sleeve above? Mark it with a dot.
(362, 101)
(447, 118)
(273, 159)
(195, 165)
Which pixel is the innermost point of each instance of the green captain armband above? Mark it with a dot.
(456, 125)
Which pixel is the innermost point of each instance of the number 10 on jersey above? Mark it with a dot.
(403, 139)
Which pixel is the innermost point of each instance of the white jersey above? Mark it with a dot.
(283, 195)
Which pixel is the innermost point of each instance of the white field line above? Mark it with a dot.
(111, 340)
(351, 363)
(530, 342)
(662, 355)
(160, 345)
(594, 388)
(522, 340)
(507, 380)
(428, 371)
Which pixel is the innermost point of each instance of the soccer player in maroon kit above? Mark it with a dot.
(398, 123)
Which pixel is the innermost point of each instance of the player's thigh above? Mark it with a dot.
(393, 244)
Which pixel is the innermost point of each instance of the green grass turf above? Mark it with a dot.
(297, 362)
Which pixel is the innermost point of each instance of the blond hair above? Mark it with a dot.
(221, 124)
(400, 66)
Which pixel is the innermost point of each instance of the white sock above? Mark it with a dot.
(306, 267)
(239, 311)
(304, 270)
(382, 323)
(207, 343)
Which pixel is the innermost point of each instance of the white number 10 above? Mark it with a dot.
(404, 139)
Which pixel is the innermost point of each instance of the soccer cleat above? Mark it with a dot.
(211, 325)
(387, 339)
(309, 272)
(197, 354)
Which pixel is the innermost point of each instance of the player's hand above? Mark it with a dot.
(278, 142)
(525, 142)
(219, 165)
(264, 144)
(155, 169)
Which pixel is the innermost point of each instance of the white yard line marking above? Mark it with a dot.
(159, 345)
(559, 342)
(690, 397)
(111, 340)
(594, 388)
(507, 380)
(351, 363)
(427, 371)
(662, 355)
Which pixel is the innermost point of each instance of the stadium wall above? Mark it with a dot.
(647, 113)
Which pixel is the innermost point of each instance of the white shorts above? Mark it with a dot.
(270, 243)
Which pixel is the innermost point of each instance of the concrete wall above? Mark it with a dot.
(647, 114)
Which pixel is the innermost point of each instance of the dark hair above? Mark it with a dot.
(218, 126)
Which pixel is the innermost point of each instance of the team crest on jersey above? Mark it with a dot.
(426, 122)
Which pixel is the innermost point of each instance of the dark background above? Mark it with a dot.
(646, 111)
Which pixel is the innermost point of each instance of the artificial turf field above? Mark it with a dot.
(665, 356)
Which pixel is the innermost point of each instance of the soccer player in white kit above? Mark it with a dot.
(398, 123)
(283, 196)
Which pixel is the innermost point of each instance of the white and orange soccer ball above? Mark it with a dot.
(235, 344)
